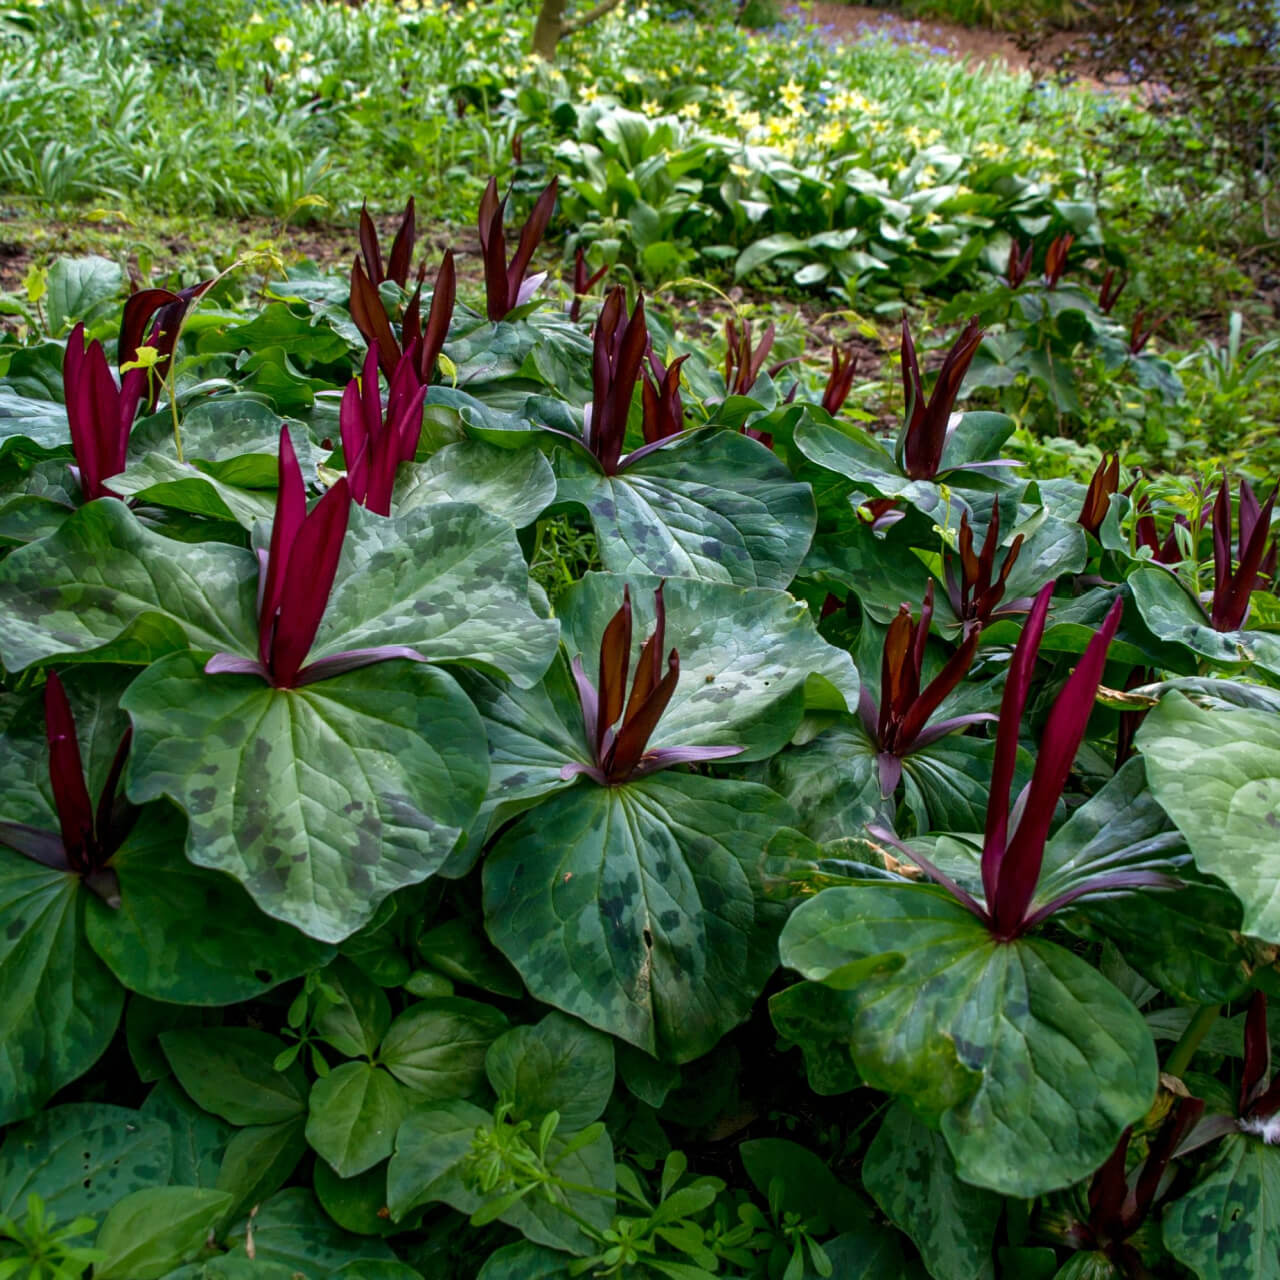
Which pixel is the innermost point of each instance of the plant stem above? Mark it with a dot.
(1180, 1059)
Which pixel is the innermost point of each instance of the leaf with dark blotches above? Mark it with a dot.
(320, 800)
(81, 1158)
(910, 1171)
(1227, 1227)
(640, 908)
(1217, 775)
(516, 484)
(713, 505)
(1032, 1063)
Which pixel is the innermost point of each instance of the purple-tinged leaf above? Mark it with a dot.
(1256, 1075)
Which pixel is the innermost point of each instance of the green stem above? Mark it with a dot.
(1180, 1059)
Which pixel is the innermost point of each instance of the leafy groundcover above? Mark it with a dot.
(843, 854)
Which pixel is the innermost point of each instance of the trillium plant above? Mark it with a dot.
(100, 414)
(975, 589)
(928, 421)
(508, 284)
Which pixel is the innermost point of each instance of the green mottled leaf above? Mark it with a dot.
(516, 484)
(81, 1158)
(81, 289)
(558, 1064)
(1227, 1227)
(714, 505)
(150, 1232)
(230, 1071)
(354, 1113)
(639, 908)
(61, 1005)
(466, 955)
(436, 1048)
(166, 482)
(912, 1175)
(1217, 775)
(1031, 1061)
(320, 800)
(157, 947)
(808, 1189)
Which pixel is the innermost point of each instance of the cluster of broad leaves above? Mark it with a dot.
(371, 907)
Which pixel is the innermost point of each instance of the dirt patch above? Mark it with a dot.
(849, 23)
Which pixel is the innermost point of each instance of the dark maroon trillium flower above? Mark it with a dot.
(925, 434)
(881, 513)
(99, 413)
(743, 360)
(1109, 293)
(1011, 862)
(1140, 332)
(1146, 533)
(152, 318)
(973, 591)
(1055, 259)
(370, 316)
(505, 284)
(1019, 266)
(401, 256)
(1259, 1108)
(1232, 588)
(840, 380)
(89, 835)
(618, 735)
(582, 283)
(294, 580)
(373, 442)
(620, 343)
(900, 724)
(1119, 1203)
(1104, 485)
(660, 397)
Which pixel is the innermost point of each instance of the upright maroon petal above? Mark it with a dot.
(1257, 1053)
(636, 729)
(66, 776)
(291, 511)
(402, 247)
(369, 249)
(443, 298)
(313, 563)
(531, 234)
(615, 661)
(371, 318)
(1063, 733)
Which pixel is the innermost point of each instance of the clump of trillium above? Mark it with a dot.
(1110, 291)
(89, 834)
(1015, 837)
(506, 284)
(1120, 1203)
(974, 589)
(900, 724)
(1104, 484)
(162, 310)
(1018, 266)
(295, 576)
(619, 727)
(375, 441)
(1233, 586)
(844, 365)
(583, 283)
(928, 422)
(370, 313)
(621, 355)
(99, 413)
(1055, 259)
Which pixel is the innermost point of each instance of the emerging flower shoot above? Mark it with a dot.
(618, 734)
(743, 360)
(840, 380)
(583, 283)
(506, 286)
(168, 310)
(1233, 587)
(924, 435)
(975, 594)
(1019, 264)
(619, 347)
(89, 835)
(99, 413)
(1055, 259)
(1109, 293)
(1102, 488)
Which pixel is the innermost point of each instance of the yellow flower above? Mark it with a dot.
(283, 45)
(256, 20)
(793, 97)
(691, 111)
(590, 93)
(651, 108)
(831, 134)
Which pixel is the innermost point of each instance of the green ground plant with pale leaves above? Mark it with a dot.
(491, 789)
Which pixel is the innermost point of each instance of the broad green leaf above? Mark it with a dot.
(259, 1160)
(356, 1023)
(32, 425)
(199, 1138)
(871, 1252)
(912, 1175)
(466, 955)
(525, 1261)
(61, 1005)
(354, 1113)
(639, 908)
(1217, 775)
(81, 289)
(714, 505)
(516, 484)
(446, 580)
(291, 1228)
(558, 1064)
(320, 800)
(230, 1071)
(81, 1158)
(1227, 1227)
(1031, 1061)
(809, 1188)
(427, 1166)
(436, 1048)
(356, 1204)
(276, 325)
(155, 945)
(166, 482)
(150, 1232)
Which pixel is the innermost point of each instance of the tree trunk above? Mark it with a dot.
(548, 29)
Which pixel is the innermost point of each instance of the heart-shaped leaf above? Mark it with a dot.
(1019, 1039)
(354, 1113)
(639, 908)
(320, 800)
(436, 1048)
(713, 504)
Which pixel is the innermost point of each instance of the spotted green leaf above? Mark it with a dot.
(516, 484)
